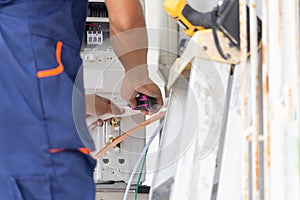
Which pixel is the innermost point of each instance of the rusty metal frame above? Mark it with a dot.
(244, 99)
(270, 105)
(281, 101)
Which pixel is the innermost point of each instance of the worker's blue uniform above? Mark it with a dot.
(41, 154)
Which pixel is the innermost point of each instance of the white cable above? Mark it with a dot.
(139, 161)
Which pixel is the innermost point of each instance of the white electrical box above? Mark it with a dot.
(117, 164)
(103, 75)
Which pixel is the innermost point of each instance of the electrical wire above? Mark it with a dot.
(140, 176)
(140, 159)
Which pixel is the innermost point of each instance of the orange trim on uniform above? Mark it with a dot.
(56, 150)
(82, 150)
(57, 70)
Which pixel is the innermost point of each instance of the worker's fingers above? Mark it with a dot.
(95, 124)
(152, 90)
(132, 101)
(114, 109)
(104, 106)
(99, 122)
(92, 126)
(137, 81)
(144, 112)
(97, 106)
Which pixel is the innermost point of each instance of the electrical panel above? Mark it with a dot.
(103, 74)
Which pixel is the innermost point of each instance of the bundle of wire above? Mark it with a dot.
(140, 176)
(141, 158)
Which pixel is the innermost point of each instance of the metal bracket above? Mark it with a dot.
(202, 45)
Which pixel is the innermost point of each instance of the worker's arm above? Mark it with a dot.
(129, 40)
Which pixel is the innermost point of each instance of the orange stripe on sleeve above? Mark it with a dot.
(56, 71)
(84, 150)
(56, 150)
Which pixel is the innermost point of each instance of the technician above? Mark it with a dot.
(41, 154)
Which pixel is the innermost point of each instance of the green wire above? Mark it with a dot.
(140, 176)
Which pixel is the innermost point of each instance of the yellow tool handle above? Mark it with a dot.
(175, 9)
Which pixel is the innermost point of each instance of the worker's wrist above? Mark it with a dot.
(138, 76)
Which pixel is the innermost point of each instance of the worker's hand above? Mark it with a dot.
(97, 106)
(137, 81)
